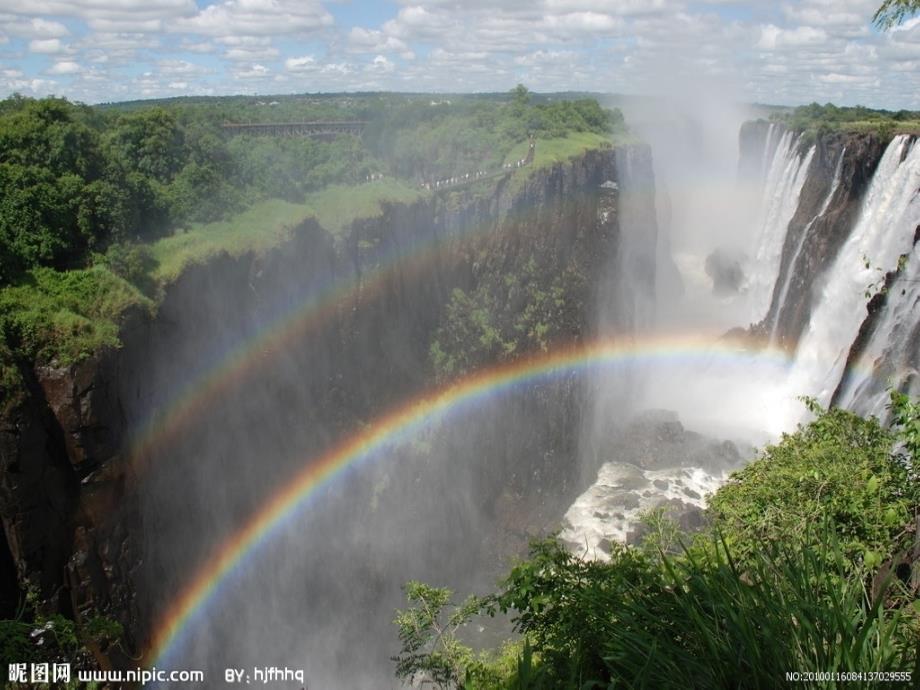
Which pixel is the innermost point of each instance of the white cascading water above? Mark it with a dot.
(611, 507)
(890, 356)
(784, 292)
(720, 393)
(758, 395)
(784, 181)
(885, 230)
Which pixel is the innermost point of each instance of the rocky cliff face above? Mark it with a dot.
(110, 497)
(851, 234)
(828, 207)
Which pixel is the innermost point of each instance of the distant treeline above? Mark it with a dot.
(76, 179)
(829, 117)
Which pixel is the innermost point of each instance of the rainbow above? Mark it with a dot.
(396, 426)
(313, 311)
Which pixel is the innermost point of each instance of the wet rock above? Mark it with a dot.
(629, 501)
(633, 482)
(725, 270)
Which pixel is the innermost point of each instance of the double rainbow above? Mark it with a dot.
(398, 425)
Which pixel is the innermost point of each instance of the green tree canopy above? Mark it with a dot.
(893, 12)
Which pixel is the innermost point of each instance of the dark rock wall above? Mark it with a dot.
(112, 521)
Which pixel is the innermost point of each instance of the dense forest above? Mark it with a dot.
(78, 179)
(88, 192)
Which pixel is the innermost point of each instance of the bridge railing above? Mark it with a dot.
(303, 129)
(469, 178)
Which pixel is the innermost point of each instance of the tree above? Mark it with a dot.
(520, 94)
(893, 12)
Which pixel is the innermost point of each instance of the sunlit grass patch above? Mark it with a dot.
(551, 151)
(337, 206)
(267, 223)
(259, 227)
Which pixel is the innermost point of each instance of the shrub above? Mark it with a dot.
(66, 316)
(788, 577)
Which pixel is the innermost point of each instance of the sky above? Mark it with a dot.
(779, 52)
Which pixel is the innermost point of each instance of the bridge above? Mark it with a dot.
(316, 129)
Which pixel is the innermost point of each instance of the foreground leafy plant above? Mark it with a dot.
(799, 570)
(34, 637)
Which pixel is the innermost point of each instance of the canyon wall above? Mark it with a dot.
(121, 473)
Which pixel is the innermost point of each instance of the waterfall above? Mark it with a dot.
(747, 396)
(784, 181)
(891, 357)
(769, 149)
(889, 215)
(790, 272)
(626, 292)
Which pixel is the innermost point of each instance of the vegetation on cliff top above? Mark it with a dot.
(119, 198)
(809, 562)
(266, 223)
(65, 316)
(78, 179)
(892, 12)
(815, 120)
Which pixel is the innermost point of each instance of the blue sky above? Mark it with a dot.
(785, 52)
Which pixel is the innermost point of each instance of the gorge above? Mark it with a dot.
(572, 293)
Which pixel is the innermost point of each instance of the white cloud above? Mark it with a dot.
(258, 18)
(47, 46)
(250, 54)
(196, 47)
(362, 40)
(381, 64)
(34, 87)
(788, 51)
(175, 68)
(544, 57)
(119, 15)
(253, 72)
(589, 22)
(65, 67)
(305, 63)
(909, 25)
(616, 7)
(37, 27)
(774, 38)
